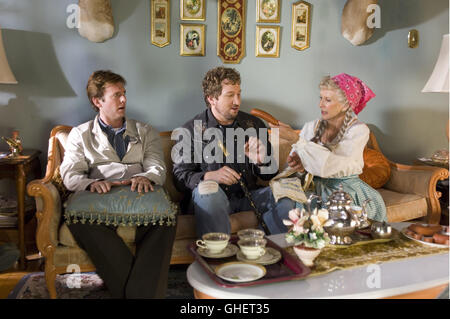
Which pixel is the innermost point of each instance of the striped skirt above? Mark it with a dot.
(358, 190)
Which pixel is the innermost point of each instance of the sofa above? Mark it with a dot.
(410, 193)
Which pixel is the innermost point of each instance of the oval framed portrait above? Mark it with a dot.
(231, 49)
(231, 22)
(192, 10)
(268, 11)
(192, 39)
(268, 41)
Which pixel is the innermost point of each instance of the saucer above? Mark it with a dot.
(270, 257)
(229, 251)
(240, 272)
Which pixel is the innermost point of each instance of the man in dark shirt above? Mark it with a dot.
(220, 148)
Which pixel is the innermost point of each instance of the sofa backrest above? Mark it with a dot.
(55, 155)
(59, 134)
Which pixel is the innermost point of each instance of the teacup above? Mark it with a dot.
(250, 233)
(253, 248)
(214, 243)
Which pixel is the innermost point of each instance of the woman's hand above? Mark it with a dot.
(286, 132)
(295, 163)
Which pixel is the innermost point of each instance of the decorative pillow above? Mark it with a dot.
(121, 207)
(376, 170)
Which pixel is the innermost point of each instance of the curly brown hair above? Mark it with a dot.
(97, 83)
(212, 82)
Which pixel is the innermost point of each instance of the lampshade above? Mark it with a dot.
(438, 81)
(6, 76)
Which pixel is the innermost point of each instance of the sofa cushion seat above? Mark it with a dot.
(401, 207)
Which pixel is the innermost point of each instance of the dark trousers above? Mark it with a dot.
(126, 276)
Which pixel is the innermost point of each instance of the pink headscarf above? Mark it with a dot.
(358, 93)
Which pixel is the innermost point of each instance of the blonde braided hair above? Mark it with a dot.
(328, 84)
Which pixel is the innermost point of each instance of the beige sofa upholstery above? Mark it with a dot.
(410, 193)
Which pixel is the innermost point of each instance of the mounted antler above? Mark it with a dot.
(96, 20)
(354, 21)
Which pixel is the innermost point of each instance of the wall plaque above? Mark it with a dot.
(301, 22)
(231, 30)
(160, 21)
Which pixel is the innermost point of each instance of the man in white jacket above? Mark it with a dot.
(114, 150)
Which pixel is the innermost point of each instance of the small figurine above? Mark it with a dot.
(15, 144)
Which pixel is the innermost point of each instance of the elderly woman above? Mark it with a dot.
(331, 148)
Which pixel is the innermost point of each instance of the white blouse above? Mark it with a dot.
(345, 159)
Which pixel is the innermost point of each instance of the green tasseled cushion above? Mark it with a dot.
(121, 207)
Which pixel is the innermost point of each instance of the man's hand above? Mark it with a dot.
(224, 175)
(102, 186)
(295, 162)
(255, 150)
(141, 183)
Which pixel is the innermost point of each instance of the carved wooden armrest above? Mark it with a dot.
(48, 213)
(419, 180)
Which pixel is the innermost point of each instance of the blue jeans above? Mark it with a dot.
(212, 210)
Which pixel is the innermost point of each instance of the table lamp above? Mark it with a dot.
(438, 81)
(6, 75)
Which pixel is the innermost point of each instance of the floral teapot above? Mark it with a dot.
(342, 222)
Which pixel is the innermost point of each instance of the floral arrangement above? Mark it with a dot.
(307, 228)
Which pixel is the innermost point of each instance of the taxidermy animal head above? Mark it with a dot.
(96, 20)
(354, 21)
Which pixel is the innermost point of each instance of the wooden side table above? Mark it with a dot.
(17, 168)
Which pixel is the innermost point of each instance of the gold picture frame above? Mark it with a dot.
(268, 11)
(192, 39)
(193, 10)
(267, 41)
(301, 22)
(160, 22)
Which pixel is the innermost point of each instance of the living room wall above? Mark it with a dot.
(52, 64)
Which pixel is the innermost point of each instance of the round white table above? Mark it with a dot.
(421, 277)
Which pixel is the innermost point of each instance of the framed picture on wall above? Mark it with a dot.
(268, 41)
(301, 22)
(192, 10)
(268, 11)
(192, 39)
(231, 30)
(160, 26)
